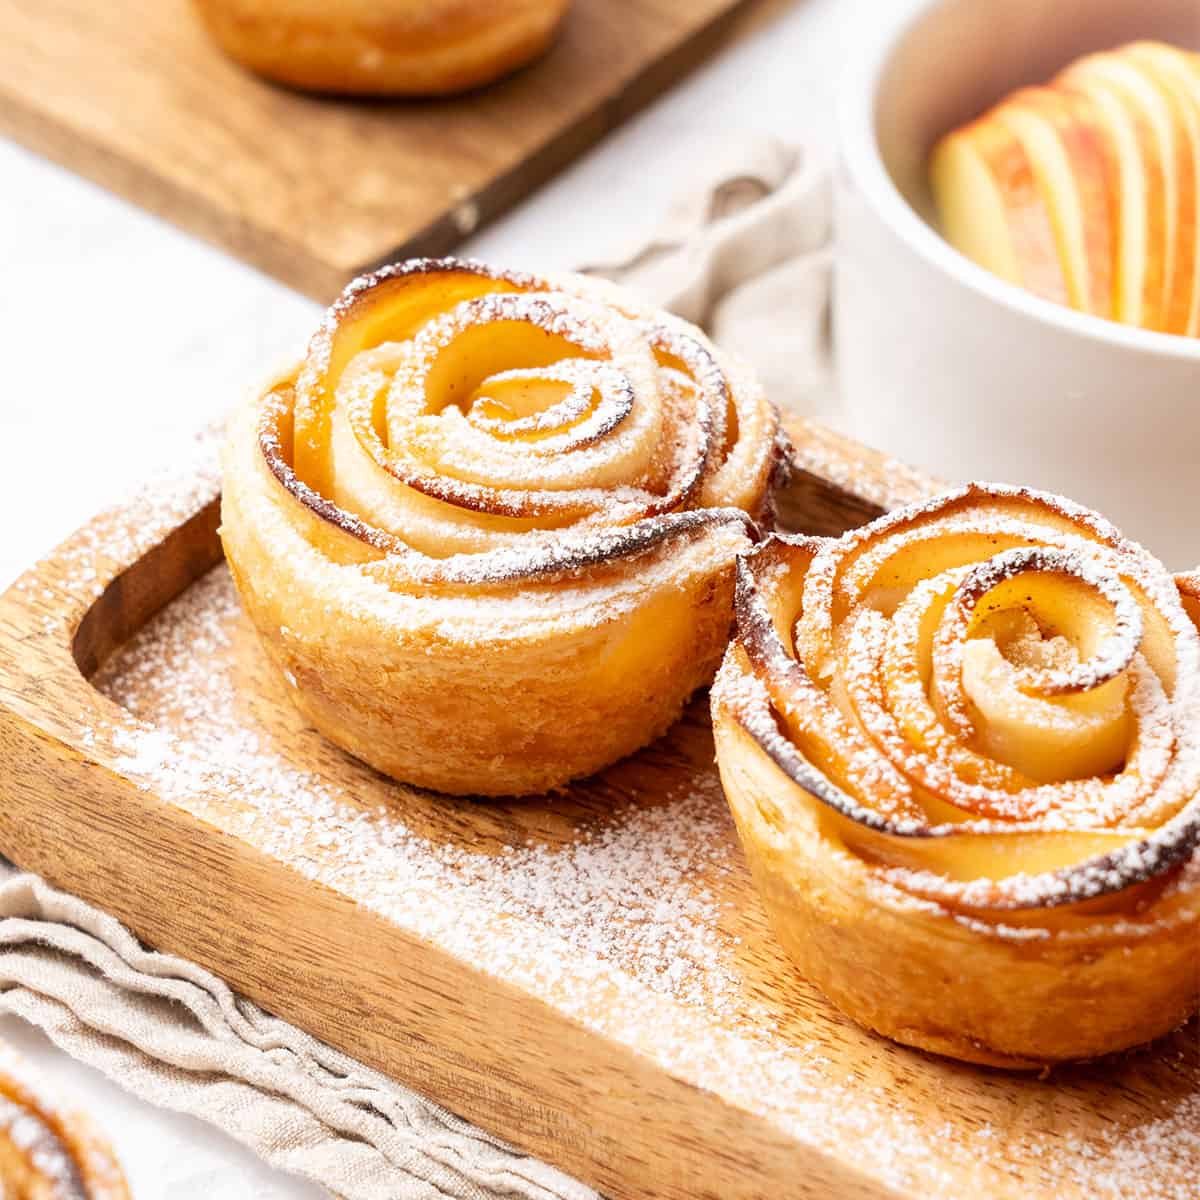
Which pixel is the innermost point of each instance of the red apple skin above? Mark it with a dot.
(1086, 80)
(1170, 71)
(1086, 146)
(1030, 230)
(1124, 243)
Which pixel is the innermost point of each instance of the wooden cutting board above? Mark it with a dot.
(133, 94)
(588, 975)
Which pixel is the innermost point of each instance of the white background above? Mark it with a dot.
(121, 335)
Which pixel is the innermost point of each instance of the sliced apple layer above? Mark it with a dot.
(1087, 191)
(1172, 73)
(992, 210)
(1071, 162)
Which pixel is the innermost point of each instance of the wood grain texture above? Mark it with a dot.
(315, 190)
(648, 1102)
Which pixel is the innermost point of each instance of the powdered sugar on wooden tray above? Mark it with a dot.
(882, 481)
(627, 915)
(137, 520)
(636, 874)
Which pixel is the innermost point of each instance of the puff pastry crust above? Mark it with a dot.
(487, 529)
(48, 1152)
(383, 47)
(962, 748)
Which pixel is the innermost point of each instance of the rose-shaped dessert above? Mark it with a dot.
(962, 747)
(487, 529)
(383, 47)
(47, 1151)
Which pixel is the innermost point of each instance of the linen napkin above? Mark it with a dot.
(745, 254)
(176, 1036)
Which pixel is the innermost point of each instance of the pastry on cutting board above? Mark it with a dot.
(383, 47)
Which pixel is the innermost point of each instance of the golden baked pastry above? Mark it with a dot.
(487, 528)
(48, 1152)
(962, 748)
(383, 47)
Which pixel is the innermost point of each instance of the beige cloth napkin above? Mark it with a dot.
(176, 1036)
(747, 256)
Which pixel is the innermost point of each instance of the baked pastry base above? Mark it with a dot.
(389, 47)
(1014, 996)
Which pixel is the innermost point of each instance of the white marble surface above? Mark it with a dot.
(122, 335)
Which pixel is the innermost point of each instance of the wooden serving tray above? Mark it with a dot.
(315, 190)
(588, 975)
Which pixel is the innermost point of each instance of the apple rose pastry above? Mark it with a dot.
(962, 748)
(46, 1151)
(383, 47)
(487, 529)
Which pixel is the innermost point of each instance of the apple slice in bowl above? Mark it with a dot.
(1112, 148)
(1071, 160)
(1144, 192)
(1171, 73)
(992, 208)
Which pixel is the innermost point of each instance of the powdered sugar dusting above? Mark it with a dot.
(44, 1153)
(882, 631)
(37, 1130)
(880, 480)
(638, 873)
(136, 521)
(632, 914)
(640, 433)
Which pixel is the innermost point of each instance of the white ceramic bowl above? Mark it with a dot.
(948, 367)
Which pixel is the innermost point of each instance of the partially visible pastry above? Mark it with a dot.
(962, 748)
(48, 1151)
(383, 47)
(487, 528)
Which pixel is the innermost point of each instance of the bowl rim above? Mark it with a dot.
(862, 160)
